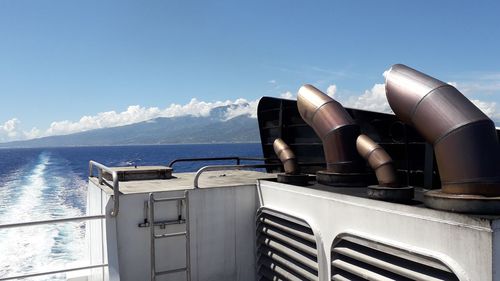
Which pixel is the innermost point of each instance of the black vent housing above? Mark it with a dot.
(413, 157)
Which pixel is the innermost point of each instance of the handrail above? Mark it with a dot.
(41, 222)
(115, 186)
(237, 158)
(52, 272)
(228, 167)
(32, 223)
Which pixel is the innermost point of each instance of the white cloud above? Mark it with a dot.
(242, 107)
(373, 100)
(9, 129)
(331, 90)
(194, 107)
(488, 108)
(385, 73)
(288, 95)
(486, 83)
(33, 133)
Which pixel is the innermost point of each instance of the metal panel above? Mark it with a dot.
(280, 118)
(360, 259)
(286, 250)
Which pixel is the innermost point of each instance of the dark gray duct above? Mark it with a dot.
(286, 156)
(464, 138)
(335, 128)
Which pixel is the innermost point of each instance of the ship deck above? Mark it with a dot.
(183, 181)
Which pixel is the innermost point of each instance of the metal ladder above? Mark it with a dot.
(154, 236)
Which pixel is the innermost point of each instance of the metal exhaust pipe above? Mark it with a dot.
(464, 138)
(286, 156)
(378, 159)
(338, 132)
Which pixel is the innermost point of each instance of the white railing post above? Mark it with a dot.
(115, 183)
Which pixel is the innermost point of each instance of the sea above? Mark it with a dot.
(49, 183)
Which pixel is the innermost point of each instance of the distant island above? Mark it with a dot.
(176, 130)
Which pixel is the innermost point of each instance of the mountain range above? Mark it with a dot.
(214, 128)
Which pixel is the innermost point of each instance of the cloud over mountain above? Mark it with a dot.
(10, 130)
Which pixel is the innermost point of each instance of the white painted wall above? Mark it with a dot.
(134, 242)
(222, 233)
(95, 232)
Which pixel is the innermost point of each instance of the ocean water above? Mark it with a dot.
(49, 183)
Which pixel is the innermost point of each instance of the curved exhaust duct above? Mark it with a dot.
(464, 138)
(378, 159)
(286, 156)
(334, 126)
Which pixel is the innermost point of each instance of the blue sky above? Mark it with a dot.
(62, 60)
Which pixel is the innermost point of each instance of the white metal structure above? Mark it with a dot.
(243, 225)
(354, 237)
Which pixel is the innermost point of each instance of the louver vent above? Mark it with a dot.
(286, 249)
(359, 259)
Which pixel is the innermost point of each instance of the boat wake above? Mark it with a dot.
(39, 191)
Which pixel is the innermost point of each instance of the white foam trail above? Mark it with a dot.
(7, 192)
(45, 247)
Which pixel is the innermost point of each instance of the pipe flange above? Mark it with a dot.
(299, 179)
(342, 180)
(471, 204)
(391, 194)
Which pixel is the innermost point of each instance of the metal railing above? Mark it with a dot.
(42, 222)
(228, 167)
(237, 158)
(53, 272)
(32, 223)
(115, 184)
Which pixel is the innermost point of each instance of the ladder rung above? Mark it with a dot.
(163, 223)
(170, 271)
(160, 223)
(170, 234)
(169, 199)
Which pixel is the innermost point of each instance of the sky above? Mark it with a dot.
(69, 66)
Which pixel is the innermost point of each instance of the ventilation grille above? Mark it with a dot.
(286, 249)
(359, 259)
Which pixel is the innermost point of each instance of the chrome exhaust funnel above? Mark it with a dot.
(338, 132)
(463, 137)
